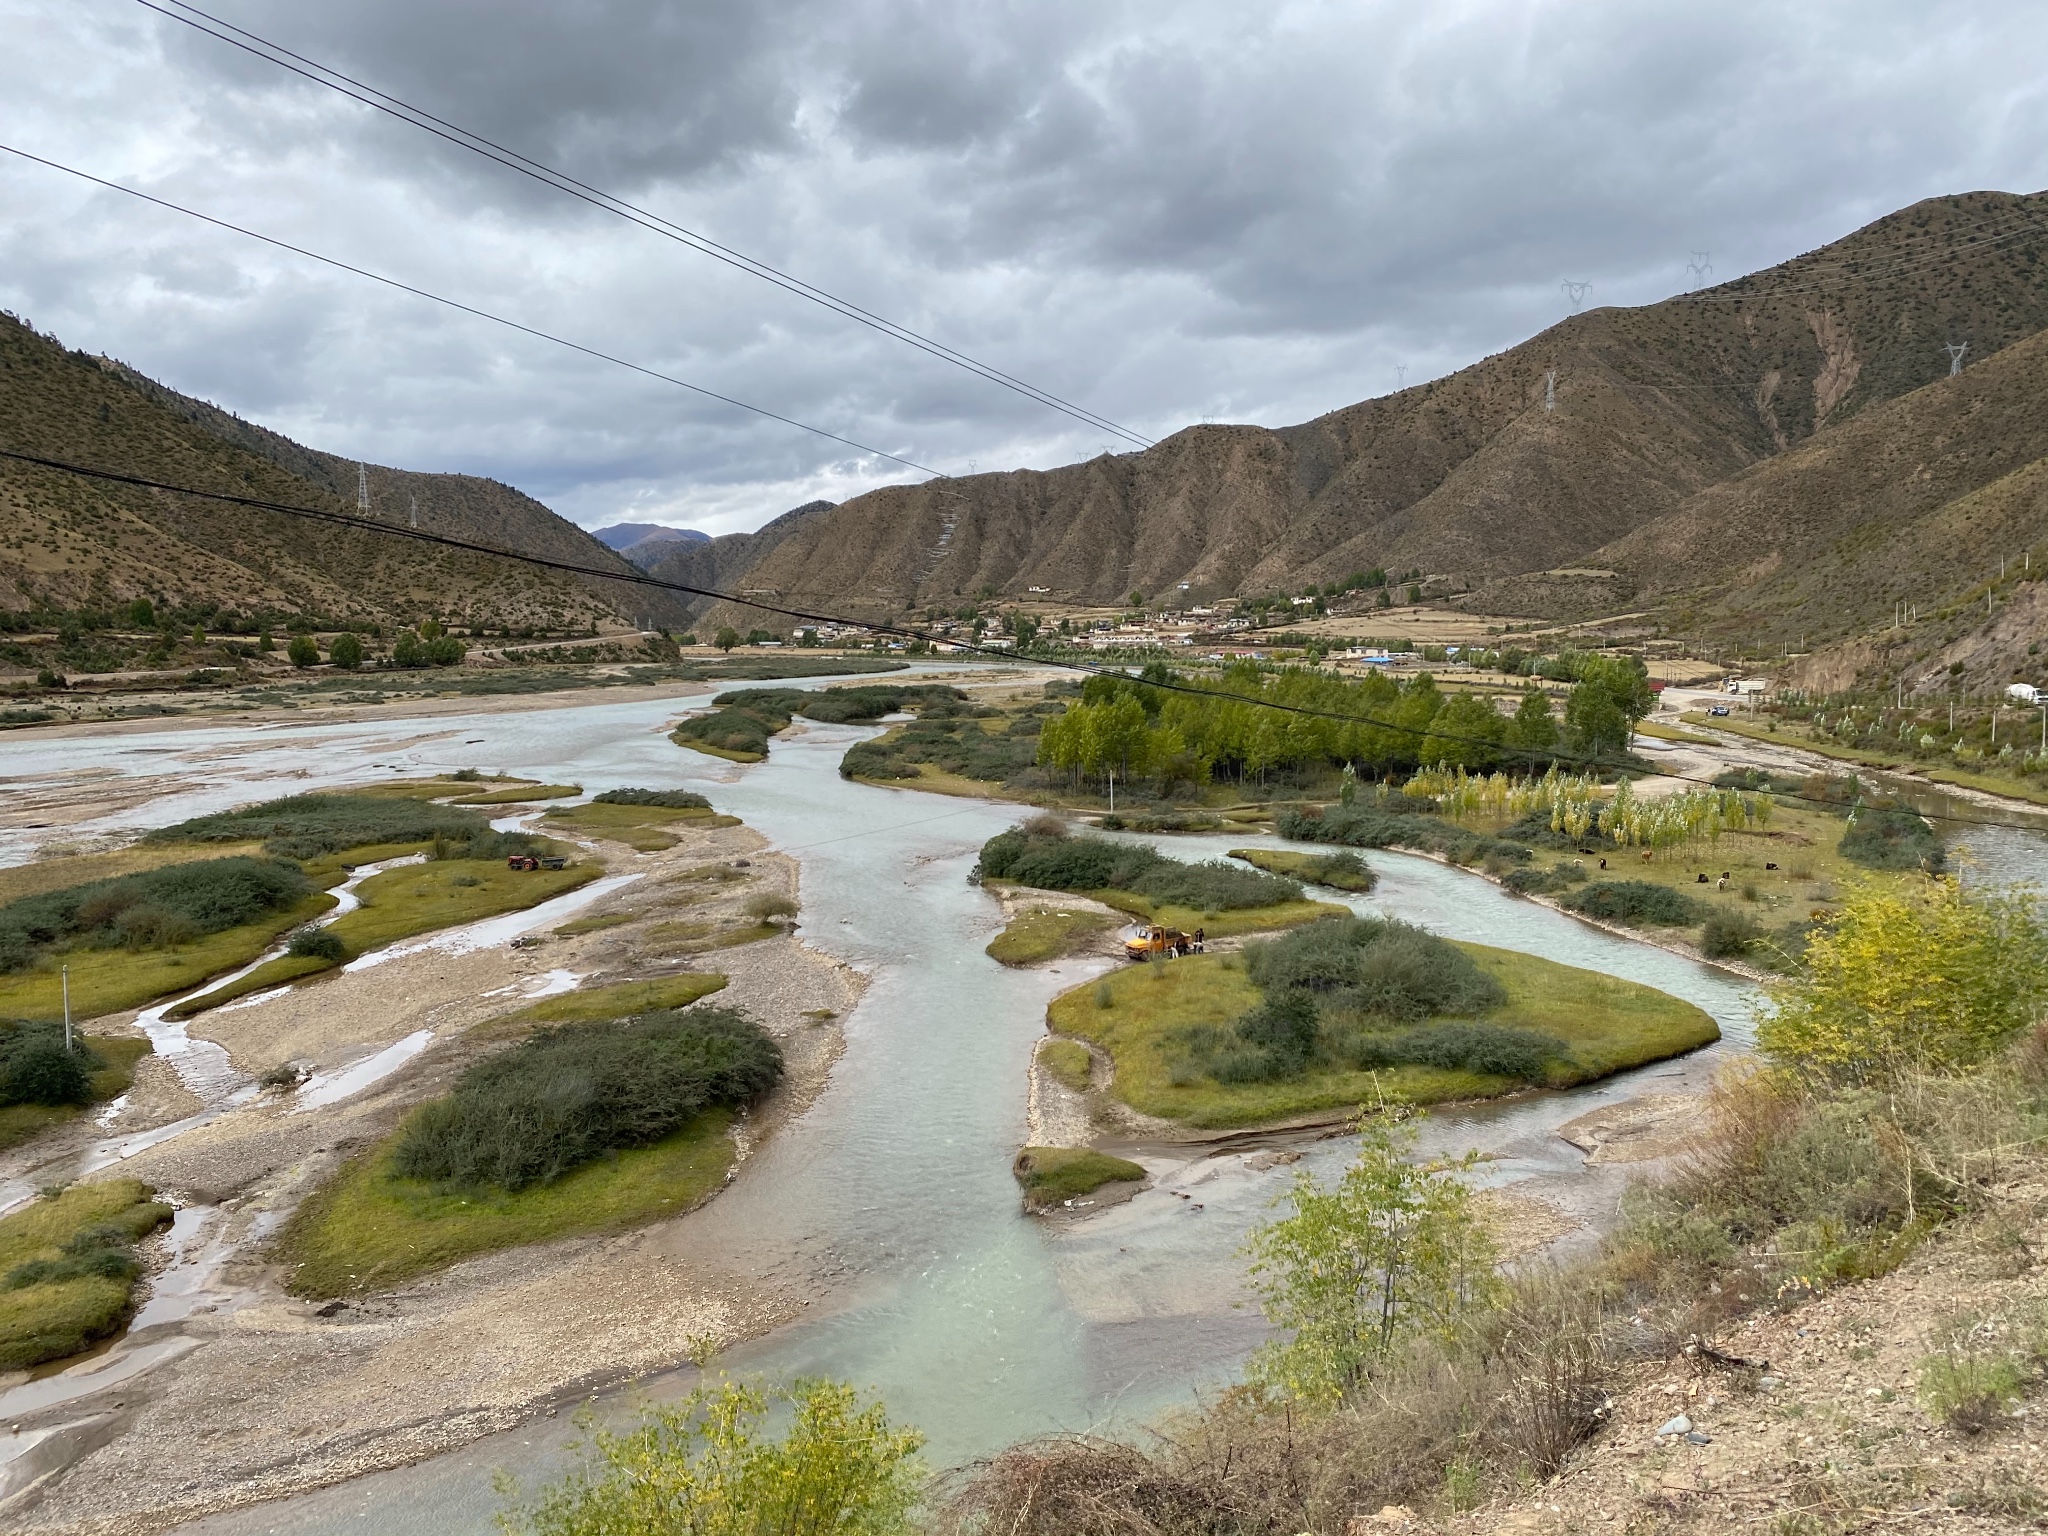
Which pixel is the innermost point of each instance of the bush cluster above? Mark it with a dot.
(306, 826)
(570, 1095)
(1728, 934)
(1355, 992)
(1892, 839)
(1541, 882)
(952, 742)
(155, 908)
(318, 944)
(743, 719)
(671, 799)
(35, 1068)
(1638, 903)
(1380, 826)
(1056, 862)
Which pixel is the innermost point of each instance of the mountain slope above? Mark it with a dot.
(1469, 475)
(713, 563)
(67, 542)
(1911, 503)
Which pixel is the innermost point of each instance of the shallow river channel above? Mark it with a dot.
(978, 1324)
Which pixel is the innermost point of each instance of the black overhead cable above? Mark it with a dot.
(471, 309)
(641, 578)
(476, 143)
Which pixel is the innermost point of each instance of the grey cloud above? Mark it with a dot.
(1167, 211)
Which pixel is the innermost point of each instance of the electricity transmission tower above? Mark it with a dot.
(415, 511)
(1955, 353)
(1697, 271)
(1575, 293)
(1550, 390)
(1400, 375)
(363, 489)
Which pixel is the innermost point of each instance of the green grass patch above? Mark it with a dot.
(644, 828)
(440, 788)
(618, 1000)
(1070, 1062)
(1039, 934)
(370, 1230)
(422, 898)
(596, 924)
(1605, 1024)
(272, 973)
(730, 754)
(1223, 924)
(109, 980)
(58, 874)
(1051, 1175)
(519, 795)
(67, 1275)
(1343, 871)
(307, 826)
(118, 1055)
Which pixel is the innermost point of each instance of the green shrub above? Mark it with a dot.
(1635, 902)
(318, 944)
(707, 1464)
(672, 799)
(154, 908)
(1493, 1050)
(1396, 822)
(306, 826)
(568, 1095)
(1892, 839)
(1728, 934)
(1384, 968)
(1061, 863)
(35, 1067)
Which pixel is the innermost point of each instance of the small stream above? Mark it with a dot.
(978, 1324)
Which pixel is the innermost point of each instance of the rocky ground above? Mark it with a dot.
(1816, 1424)
(475, 1348)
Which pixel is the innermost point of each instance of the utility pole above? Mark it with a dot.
(1955, 353)
(65, 973)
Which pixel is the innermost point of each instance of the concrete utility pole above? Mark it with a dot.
(1955, 353)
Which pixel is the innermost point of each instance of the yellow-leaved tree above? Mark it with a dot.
(1928, 977)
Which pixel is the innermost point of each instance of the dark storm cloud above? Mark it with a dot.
(1168, 211)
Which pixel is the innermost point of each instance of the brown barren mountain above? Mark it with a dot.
(67, 542)
(1473, 476)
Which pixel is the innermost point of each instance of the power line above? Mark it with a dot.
(470, 309)
(641, 578)
(477, 144)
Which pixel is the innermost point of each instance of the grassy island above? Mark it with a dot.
(1351, 1010)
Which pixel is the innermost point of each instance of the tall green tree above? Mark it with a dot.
(1923, 977)
(1533, 729)
(302, 652)
(1394, 1252)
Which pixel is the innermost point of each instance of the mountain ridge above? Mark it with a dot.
(1531, 460)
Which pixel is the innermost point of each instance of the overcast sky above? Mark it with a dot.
(1166, 210)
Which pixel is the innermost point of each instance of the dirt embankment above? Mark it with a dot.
(292, 1395)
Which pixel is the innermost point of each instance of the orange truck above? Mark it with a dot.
(1155, 940)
